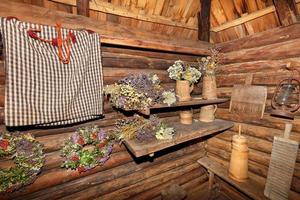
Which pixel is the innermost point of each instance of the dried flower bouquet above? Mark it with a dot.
(137, 92)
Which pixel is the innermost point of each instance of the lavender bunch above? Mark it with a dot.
(139, 91)
(142, 129)
(146, 84)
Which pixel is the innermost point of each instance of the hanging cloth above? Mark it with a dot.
(53, 75)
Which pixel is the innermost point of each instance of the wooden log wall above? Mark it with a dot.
(123, 176)
(264, 55)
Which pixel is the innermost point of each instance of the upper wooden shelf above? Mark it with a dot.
(183, 133)
(193, 102)
(111, 33)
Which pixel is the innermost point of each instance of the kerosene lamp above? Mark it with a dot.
(286, 99)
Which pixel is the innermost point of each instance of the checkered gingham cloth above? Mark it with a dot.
(40, 89)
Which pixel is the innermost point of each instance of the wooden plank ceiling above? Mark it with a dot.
(230, 19)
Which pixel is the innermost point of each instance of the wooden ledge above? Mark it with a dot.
(183, 134)
(250, 187)
(111, 33)
(193, 102)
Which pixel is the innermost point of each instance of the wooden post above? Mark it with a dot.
(287, 11)
(83, 7)
(204, 21)
(211, 179)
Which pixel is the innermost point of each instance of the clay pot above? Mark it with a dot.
(238, 167)
(183, 90)
(207, 113)
(209, 90)
(186, 117)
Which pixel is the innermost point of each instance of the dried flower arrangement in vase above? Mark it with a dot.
(185, 76)
(208, 66)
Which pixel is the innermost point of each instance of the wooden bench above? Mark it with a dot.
(251, 187)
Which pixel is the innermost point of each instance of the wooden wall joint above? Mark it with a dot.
(83, 7)
(204, 20)
(287, 11)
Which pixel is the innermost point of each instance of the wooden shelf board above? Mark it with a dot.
(193, 102)
(250, 187)
(184, 133)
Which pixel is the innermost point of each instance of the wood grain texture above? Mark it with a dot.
(268, 68)
(184, 133)
(204, 21)
(286, 11)
(251, 187)
(83, 7)
(111, 33)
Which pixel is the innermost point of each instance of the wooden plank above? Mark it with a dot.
(276, 35)
(286, 11)
(204, 21)
(184, 133)
(111, 33)
(244, 19)
(269, 52)
(281, 169)
(251, 187)
(195, 101)
(106, 7)
(83, 7)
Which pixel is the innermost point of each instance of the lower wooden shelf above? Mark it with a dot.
(251, 187)
(184, 133)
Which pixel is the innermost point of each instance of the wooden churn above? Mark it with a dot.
(238, 167)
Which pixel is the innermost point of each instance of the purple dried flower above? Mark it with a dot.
(104, 159)
(101, 134)
(145, 134)
(109, 148)
(24, 145)
(75, 137)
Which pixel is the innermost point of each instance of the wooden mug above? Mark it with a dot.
(183, 90)
(186, 116)
(207, 113)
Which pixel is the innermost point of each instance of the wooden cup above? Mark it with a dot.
(186, 117)
(207, 113)
(183, 90)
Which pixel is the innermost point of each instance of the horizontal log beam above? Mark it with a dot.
(131, 167)
(107, 187)
(271, 36)
(244, 19)
(275, 51)
(111, 33)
